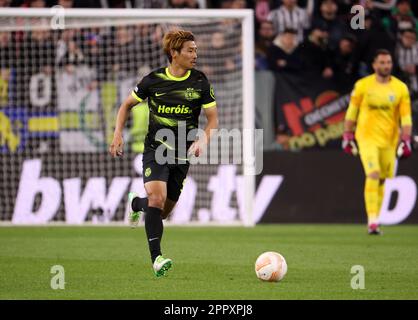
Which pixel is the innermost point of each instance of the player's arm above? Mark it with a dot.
(209, 107)
(139, 94)
(198, 146)
(212, 124)
(116, 147)
(404, 147)
(349, 144)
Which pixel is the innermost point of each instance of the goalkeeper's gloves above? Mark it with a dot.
(404, 148)
(349, 143)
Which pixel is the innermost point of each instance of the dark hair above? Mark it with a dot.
(380, 52)
(408, 30)
(290, 30)
(349, 37)
(403, 1)
(174, 40)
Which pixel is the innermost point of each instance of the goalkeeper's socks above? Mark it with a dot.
(381, 195)
(154, 230)
(140, 204)
(371, 197)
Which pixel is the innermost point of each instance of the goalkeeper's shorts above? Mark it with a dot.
(382, 160)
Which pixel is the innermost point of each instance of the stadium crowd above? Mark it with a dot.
(290, 36)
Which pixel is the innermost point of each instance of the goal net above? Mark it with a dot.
(63, 77)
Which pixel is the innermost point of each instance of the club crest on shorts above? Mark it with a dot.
(147, 172)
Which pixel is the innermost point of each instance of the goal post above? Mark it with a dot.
(63, 75)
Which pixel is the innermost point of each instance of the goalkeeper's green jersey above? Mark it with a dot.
(174, 103)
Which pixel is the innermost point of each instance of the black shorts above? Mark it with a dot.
(173, 174)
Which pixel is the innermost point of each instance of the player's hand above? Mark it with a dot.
(404, 148)
(116, 147)
(196, 149)
(349, 143)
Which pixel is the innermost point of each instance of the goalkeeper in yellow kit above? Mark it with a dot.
(379, 120)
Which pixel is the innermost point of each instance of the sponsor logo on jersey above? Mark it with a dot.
(179, 109)
(374, 107)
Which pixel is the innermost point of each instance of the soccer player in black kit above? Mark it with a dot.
(176, 94)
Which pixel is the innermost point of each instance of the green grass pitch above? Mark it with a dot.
(209, 262)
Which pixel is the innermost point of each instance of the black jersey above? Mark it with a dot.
(173, 103)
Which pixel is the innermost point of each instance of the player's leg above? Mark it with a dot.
(168, 208)
(381, 193)
(141, 205)
(157, 194)
(155, 183)
(387, 159)
(137, 207)
(369, 155)
(175, 185)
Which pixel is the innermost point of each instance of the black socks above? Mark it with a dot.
(154, 230)
(140, 204)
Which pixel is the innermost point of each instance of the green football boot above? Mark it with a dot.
(134, 216)
(161, 266)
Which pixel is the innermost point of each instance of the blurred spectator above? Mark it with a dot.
(176, 4)
(238, 4)
(123, 52)
(68, 52)
(375, 36)
(87, 4)
(92, 52)
(219, 48)
(290, 15)
(42, 51)
(6, 66)
(343, 63)
(6, 49)
(262, 10)
(402, 18)
(183, 4)
(284, 55)
(264, 41)
(192, 4)
(34, 4)
(5, 3)
(37, 62)
(67, 4)
(223, 4)
(414, 8)
(407, 58)
(120, 4)
(380, 7)
(344, 7)
(154, 4)
(336, 27)
(315, 52)
(72, 57)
